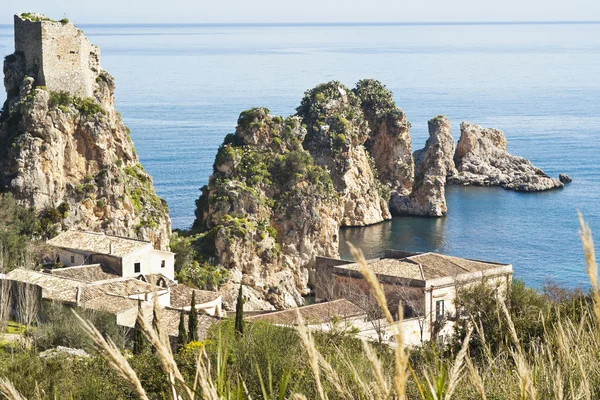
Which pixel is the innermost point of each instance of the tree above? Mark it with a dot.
(29, 298)
(5, 302)
(139, 341)
(193, 320)
(239, 313)
(183, 337)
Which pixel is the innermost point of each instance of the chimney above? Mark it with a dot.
(78, 295)
(110, 249)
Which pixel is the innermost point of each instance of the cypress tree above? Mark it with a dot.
(139, 341)
(183, 337)
(193, 320)
(239, 313)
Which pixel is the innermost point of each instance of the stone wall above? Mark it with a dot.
(58, 55)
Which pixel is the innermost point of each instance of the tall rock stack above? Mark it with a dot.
(336, 133)
(433, 165)
(267, 211)
(64, 149)
(389, 141)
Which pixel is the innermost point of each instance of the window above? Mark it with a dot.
(163, 263)
(72, 259)
(137, 268)
(439, 310)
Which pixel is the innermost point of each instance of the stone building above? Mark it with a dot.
(126, 257)
(426, 284)
(57, 54)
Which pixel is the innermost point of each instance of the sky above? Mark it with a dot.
(259, 11)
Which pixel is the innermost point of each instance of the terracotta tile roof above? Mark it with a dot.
(181, 296)
(439, 265)
(95, 242)
(170, 322)
(424, 266)
(53, 287)
(110, 303)
(391, 267)
(314, 314)
(122, 287)
(155, 279)
(169, 319)
(60, 288)
(86, 273)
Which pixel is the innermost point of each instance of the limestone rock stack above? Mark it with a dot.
(268, 210)
(482, 160)
(63, 147)
(434, 164)
(336, 133)
(282, 188)
(389, 140)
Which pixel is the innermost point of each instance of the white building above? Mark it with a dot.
(127, 257)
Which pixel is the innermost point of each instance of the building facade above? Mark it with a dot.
(127, 257)
(425, 284)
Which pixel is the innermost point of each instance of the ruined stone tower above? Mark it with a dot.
(64, 150)
(57, 54)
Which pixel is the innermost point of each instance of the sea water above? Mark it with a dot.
(181, 88)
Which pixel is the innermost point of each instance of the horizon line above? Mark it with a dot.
(324, 24)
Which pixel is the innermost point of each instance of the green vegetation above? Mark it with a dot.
(182, 338)
(253, 118)
(193, 320)
(374, 96)
(140, 343)
(59, 327)
(35, 18)
(193, 258)
(64, 101)
(64, 21)
(335, 108)
(18, 227)
(239, 313)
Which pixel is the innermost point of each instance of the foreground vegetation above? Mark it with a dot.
(536, 345)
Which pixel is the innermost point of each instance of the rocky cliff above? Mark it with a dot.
(434, 164)
(336, 133)
(68, 156)
(268, 210)
(482, 160)
(389, 139)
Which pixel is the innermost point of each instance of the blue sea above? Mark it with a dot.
(181, 88)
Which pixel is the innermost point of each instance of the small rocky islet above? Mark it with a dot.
(281, 188)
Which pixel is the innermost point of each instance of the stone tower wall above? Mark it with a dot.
(58, 56)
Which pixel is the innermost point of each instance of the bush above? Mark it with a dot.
(203, 276)
(60, 327)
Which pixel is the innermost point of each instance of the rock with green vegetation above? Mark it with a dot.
(336, 133)
(434, 164)
(57, 147)
(389, 142)
(267, 212)
(282, 188)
